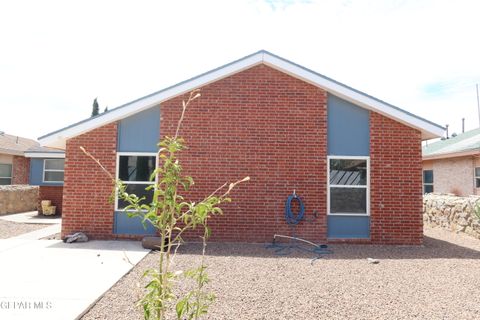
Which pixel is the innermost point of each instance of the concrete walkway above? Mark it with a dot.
(31, 217)
(48, 279)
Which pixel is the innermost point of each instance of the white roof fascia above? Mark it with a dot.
(58, 140)
(429, 130)
(59, 155)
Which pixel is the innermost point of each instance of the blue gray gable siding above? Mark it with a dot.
(137, 133)
(36, 173)
(348, 134)
(140, 132)
(348, 128)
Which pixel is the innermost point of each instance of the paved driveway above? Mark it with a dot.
(48, 279)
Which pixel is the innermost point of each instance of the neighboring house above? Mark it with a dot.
(14, 167)
(353, 159)
(24, 161)
(47, 172)
(453, 165)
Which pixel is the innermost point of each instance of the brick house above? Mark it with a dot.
(355, 160)
(453, 165)
(46, 172)
(24, 161)
(14, 166)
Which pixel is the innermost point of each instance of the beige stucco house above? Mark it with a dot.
(453, 165)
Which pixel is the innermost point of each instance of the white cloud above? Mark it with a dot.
(57, 56)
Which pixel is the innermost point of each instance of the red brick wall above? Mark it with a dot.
(396, 182)
(264, 124)
(21, 170)
(53, 193)
(87, 188)
(269, 126)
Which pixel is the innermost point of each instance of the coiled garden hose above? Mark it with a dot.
(289, 215)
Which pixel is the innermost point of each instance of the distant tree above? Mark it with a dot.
(95, 108)
(105, 110)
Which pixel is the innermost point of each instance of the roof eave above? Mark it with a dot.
(57, 155)
(429, 130)
(432, 133)
(11, 152)
(451, 155)
(58, 138)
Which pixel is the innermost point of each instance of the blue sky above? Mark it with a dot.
(57, 56)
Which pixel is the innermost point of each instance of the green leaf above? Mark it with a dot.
(146, 311)
(153, 175)
(180, 308)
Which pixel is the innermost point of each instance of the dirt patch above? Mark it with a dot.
(436, 281)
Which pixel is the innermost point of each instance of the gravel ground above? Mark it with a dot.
(10, 229)
(436, 281)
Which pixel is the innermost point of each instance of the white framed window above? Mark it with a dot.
(5, 173)
(348, 185)
(53, 170)
(428, 181)
(134, 170)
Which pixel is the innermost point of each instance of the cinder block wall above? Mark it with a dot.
(454, 175)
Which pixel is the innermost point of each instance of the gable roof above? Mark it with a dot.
(14, 145)
(429, 129)
(461, 145)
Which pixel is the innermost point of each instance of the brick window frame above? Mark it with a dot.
(366, 186)
(117, 173)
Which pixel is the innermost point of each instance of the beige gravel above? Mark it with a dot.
(11, 229)
(437, 281)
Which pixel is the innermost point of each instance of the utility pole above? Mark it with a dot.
(478, 107)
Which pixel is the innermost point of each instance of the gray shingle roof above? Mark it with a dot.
(15, 145)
